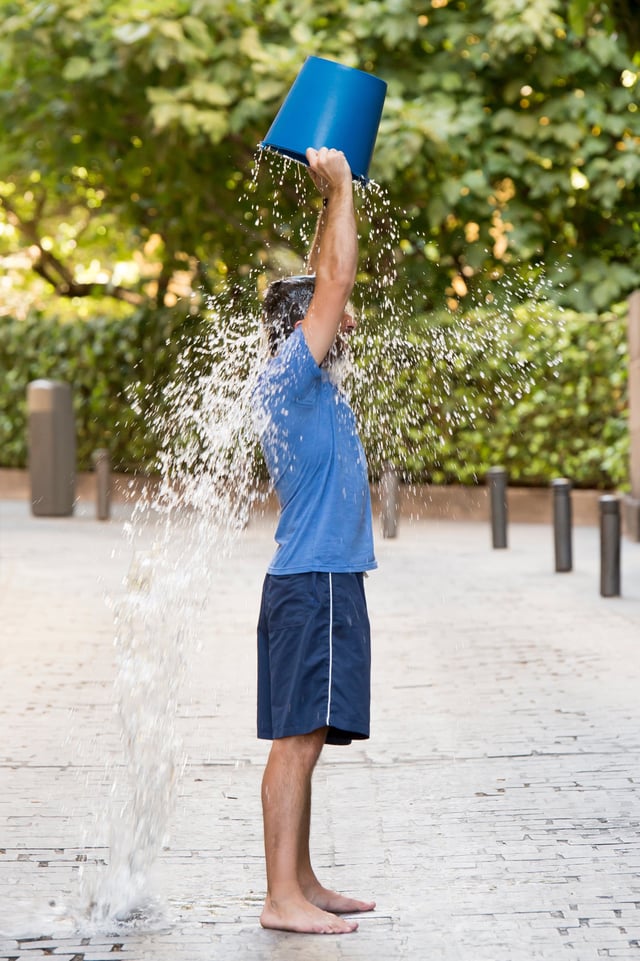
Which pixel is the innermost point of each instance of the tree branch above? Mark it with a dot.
(58, 275)
(74, 289)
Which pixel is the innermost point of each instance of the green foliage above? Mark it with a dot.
(510, 137)
(117, 370)
(524, 157)
(509, 146)
(620, 16)
(540, 392)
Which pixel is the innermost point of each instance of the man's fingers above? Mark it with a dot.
(327, 166)
(323, 154)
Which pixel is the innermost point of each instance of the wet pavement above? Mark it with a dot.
(493, 815)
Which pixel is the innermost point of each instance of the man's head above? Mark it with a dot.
(285, 304)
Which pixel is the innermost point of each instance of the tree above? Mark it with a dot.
(510, 142)
(92, 159)
(620, 16)
(529, 151)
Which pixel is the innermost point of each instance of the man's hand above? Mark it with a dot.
(329, 170)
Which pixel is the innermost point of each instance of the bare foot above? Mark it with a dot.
(298, 914)
(337, 903)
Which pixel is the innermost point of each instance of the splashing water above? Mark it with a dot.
(209, 485)
(416, 381)
(206, 493)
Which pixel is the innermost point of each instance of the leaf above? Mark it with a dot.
(172, 29)
(603, 48)
(570, 134)
(451, 81)
(130, 33)
(76, 69)
(209, 92)
(577, 15)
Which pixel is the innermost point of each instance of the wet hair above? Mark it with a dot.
(285, 303)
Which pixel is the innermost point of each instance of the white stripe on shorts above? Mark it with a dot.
(330, 647)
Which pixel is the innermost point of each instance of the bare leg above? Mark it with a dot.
(286, 803)
(314, 891)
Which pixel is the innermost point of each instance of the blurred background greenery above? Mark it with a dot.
(510, 151)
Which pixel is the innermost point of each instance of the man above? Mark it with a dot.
(313, 632)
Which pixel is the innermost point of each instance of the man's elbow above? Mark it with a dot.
(341, 276)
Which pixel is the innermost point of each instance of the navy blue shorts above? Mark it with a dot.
(314, 657)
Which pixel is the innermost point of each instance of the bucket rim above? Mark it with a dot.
(301, 159)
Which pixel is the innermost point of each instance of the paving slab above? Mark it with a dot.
(493, 815)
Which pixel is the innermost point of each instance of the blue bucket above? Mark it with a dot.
(330, 105)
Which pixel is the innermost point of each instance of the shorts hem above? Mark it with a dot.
(335, 735)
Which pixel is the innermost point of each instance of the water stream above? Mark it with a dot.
(210, 482)
(207, 490)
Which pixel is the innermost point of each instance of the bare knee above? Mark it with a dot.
(299, 749)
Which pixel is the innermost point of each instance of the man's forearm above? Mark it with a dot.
(338, 257)
(312, 259)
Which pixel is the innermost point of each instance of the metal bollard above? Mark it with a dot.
(389, 489)
(52, 448)
(497, 478)
(562, 523)
(609, 545)
(102, 467)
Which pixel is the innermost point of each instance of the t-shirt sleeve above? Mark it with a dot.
(293, 372)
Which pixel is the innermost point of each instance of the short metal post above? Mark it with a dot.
(609, 545)
(562, 520)
(102, 465)
(389, 490)
(497, 478)
(52, 448)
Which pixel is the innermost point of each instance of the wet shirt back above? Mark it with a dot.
(316, 461)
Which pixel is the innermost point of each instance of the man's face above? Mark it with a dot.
(347, 326)
(349, 322)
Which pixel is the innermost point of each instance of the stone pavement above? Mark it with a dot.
(494, 813)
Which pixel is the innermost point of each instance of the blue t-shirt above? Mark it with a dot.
(317, 464)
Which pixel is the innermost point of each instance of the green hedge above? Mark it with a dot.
(117, 369)
(541, 392)
(536, 390)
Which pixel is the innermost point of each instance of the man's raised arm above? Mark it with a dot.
(334, 253)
